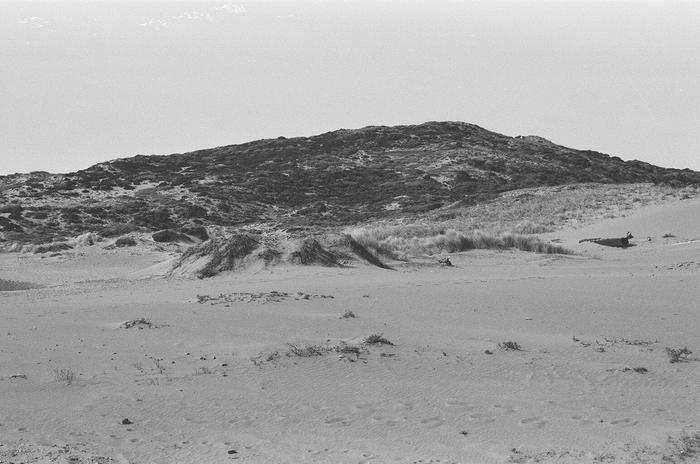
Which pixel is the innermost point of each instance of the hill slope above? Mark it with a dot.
(336, 178)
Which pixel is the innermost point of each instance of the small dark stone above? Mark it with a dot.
(126, 422)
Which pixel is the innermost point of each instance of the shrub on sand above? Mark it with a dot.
(377, 339)
(678, 354)
(64, 375)
(222, 253)
(306, 351)
(510, 346)
(125, 242)
(311, 252)
(413, 241)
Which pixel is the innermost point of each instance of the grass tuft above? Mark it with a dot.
(510, 346)
(64, 375)
(678, 354)
(377, 339)
(417, 240)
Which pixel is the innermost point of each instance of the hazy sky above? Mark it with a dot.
(84, 82)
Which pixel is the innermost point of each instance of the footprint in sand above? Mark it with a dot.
(432, 422)
(537, 422)
(366, 457)
(504, 409)
(626, 422)
(582, 420)
(338, 422)
(245, 420)
(458, 404)
(482, 418)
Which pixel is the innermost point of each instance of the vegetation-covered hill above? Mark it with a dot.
(337, 178)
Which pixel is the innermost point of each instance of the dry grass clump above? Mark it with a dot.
(686, 448)
(223, 253)
(344, 348)
(52, 247)
(515, 213)
(125, 242)
(307, 351)
(510, 346)
(678, 354)
(377, 339)
(422, 240)
(311, 252)
(139, 323)
(64, 375)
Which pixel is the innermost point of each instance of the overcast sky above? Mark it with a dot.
(85, 82)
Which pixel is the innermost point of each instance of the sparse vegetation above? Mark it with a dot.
(140, 323)
(685, 448)
(312, 252)
(64, 375)
(344, 348)
(377, 339)
(421, 240)
(125, 242)
(224, 253)
(678, 354)
(306, 351)
(341, 178)
(510, 346)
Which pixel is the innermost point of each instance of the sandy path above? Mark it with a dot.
(193, 394)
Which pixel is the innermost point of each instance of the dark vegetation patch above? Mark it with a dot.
(169, 235)
(125, 242)
(312, 252)
(334, 179)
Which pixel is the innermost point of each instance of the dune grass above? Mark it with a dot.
(401, 242)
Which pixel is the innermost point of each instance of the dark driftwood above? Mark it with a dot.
(622, 242)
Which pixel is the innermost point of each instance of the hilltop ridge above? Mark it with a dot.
(336, 178)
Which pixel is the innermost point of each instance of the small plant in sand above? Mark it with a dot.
(348, 315)
(686, 448)
(140, 323)
(306, 351)
(64, 375)
(344, 348)
(678, 354)
(510, 346)
(377, 339)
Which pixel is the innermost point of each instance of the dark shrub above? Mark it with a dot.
(114, 229)
(154, 219)
(125, 242)
(169, 235)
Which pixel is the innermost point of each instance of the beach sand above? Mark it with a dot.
(209, 375)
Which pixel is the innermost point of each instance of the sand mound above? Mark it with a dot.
(311, 252)
(218, 254)
(240, 250)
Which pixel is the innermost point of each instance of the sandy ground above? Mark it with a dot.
(211, 380)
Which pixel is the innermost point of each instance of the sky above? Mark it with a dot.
(85, 82)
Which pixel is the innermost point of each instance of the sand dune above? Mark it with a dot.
(212, 376)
